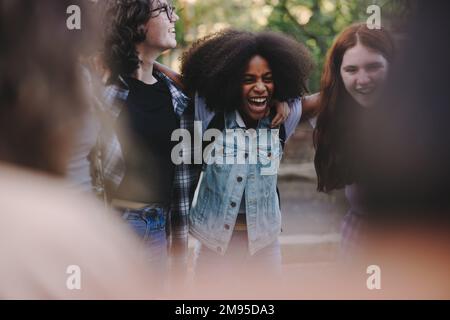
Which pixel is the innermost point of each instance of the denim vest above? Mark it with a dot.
(221, 188)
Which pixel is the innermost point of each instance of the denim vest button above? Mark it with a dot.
(227, 227)
(246, 155)
(233, 204)
(239, 179)
(269, 154)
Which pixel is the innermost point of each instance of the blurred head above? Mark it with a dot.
(238, 70)
(353, 76)
(41, 93)
(405, 164)
(149, 24)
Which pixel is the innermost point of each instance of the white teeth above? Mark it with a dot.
(365, 91)
(257, 100)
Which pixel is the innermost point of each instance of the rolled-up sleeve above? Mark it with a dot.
(294, 116)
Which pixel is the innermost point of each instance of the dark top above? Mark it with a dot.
(147, 123)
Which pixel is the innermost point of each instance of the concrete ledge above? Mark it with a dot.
(302, 171)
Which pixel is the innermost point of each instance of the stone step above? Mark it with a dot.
(302, 171)
(299, 249)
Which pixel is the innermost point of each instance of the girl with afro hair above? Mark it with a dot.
(235, 79)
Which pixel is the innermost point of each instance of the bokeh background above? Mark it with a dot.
(315, 23)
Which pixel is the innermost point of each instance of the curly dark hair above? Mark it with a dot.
(215, 66)
(123, 29)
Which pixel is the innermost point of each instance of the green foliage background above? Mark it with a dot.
(312, 22)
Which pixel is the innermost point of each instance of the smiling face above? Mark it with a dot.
(161, 29)
(257, 89)
(363, 72)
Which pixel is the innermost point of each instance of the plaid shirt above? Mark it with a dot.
(185, 175)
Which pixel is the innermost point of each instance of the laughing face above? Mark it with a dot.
(363, 72)
(257, 89)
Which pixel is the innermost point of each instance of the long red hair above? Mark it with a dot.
(338, 111)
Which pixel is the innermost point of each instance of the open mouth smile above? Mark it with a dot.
(365, 91)
(257, 102)
(258, 105)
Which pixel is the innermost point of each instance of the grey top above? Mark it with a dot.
(79, 169)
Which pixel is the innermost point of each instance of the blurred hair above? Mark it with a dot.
(124, 28)
(339, 113)
(406, 149)
(215, 65)
(41, 97)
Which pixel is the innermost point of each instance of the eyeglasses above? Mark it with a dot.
(169, 10)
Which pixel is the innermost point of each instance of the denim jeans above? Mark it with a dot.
(149, 224)
(237, 263)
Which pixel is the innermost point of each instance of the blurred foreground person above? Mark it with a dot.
(53, 244)
(405, 169)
